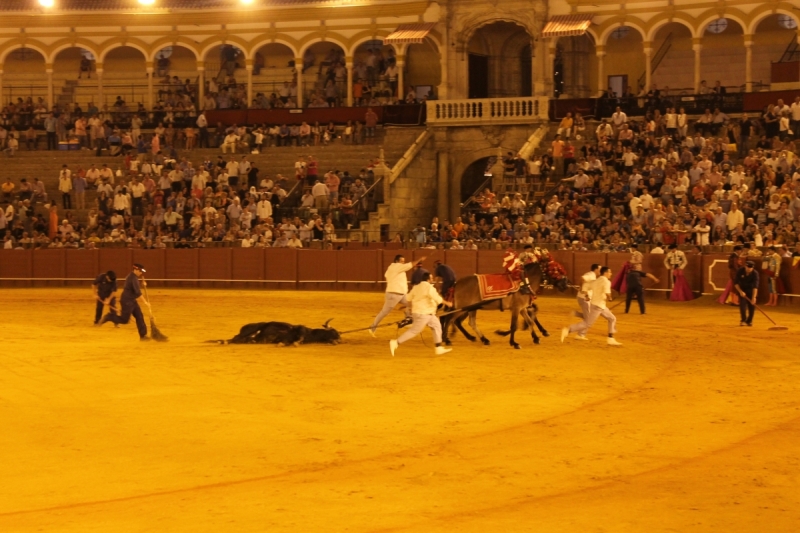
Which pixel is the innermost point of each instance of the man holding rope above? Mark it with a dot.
(601, 293)
(131, 298)
(424, 301)
(396, 290)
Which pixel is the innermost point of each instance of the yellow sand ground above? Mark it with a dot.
(692, 426)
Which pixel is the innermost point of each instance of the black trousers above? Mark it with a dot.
(67, 199)
(52, 140)
(203, 138)
(98, 312)
(639, 293)
(746, 309)
(128, 310)
(136, 206)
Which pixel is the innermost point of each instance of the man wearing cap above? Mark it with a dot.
(104, 286)
(131, 298)
(396, 290)
(746, 285)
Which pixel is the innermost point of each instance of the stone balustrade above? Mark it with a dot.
(473, 112)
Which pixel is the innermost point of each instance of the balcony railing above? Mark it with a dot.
(519, 110)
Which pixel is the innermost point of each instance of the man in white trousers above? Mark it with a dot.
(396, 290)
(601, 293)
(424, 300)
(585, 293)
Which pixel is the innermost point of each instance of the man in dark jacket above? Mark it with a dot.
(131, 298)
(746, 284)
(104, 286)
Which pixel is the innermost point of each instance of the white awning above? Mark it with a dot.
(567, 25)
(410, 33)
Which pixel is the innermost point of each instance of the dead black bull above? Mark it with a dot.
(283, 334)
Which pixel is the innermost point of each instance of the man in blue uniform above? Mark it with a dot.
(130, 300)
(418, 274)
(104, 286)
(746, 284)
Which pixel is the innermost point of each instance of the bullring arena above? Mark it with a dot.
(283, 162)
(691, 425)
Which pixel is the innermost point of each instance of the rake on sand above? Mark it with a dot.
(155, 333)
(775, 326)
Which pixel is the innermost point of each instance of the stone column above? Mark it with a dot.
(648, 64)
(349, 66)
(98, 68)
(748, 63)
(249, 68)
(201, 84)
(150, 96)
(601, 81)
(1, 89)
(697, 46)
(443, 182)
(48, 68)
(401, 65)
(298, 66)
(444, 54)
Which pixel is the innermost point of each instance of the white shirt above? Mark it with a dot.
(701, 234)
(423, 298)
(396, 280)
(264, 209)
(586, 283)
(601, 288)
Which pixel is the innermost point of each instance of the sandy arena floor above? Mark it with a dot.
(693, 425)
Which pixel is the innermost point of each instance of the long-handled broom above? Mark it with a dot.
(775, 326)
(155, 333)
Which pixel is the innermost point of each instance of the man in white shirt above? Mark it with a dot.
(619, 118)
(65, 186)
(230, 142)
(264, 208)
(320, 192)
(424, 300)
(396, 290)
(137, 192)
(735, 218)
(601, 293)
(585, 293)
(701, 233)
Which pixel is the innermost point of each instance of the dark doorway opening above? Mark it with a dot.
(478, 76)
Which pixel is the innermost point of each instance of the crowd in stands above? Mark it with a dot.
(157, 199)
(658, 180)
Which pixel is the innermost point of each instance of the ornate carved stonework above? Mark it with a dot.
(494, 135)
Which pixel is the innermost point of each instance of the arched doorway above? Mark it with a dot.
(74, 78)
(722, 58)
(476, 177)
(624, 61)
(673, 59)
(124, 78)
(370, 60)
(499, 61)
(774, 41)
(423, 70)
(575, 64)
(273, 67)
(325, 75)
(24, 79)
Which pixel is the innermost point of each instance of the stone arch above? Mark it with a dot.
(613, 23)
(63, 44)
(140, 61)
(710, 16)
(667, 73)
(463, 160)
(311, 41)
(495, 53)
(722, 57)
(662, 20)
(183, 42)
(209, 44)
(264, 40)
(479, 21)
(364, 37)
(472, 176)
(759, 14)
(108, 46)
(15, 45)
(67, 58)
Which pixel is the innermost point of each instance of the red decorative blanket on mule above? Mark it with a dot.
(496, 285)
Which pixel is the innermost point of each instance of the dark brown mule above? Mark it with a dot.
(467, 297)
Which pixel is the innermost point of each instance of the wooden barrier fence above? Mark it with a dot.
(324, 270)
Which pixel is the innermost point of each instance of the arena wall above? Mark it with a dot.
(357, 269)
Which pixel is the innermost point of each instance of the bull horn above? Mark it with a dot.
(325, 325)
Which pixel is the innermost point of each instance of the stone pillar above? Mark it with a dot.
(150, 96)
(549, 59)
(2, 99)
(249, 68)
(401, 89)
(349, 66)
(201, 84)
(648, 64)
(748, 63)
(98, 68)
(601, 81)
(443, 182)
(48, 68)
(497, 171)
(697, 46)
(444, 54)
(298, 66)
